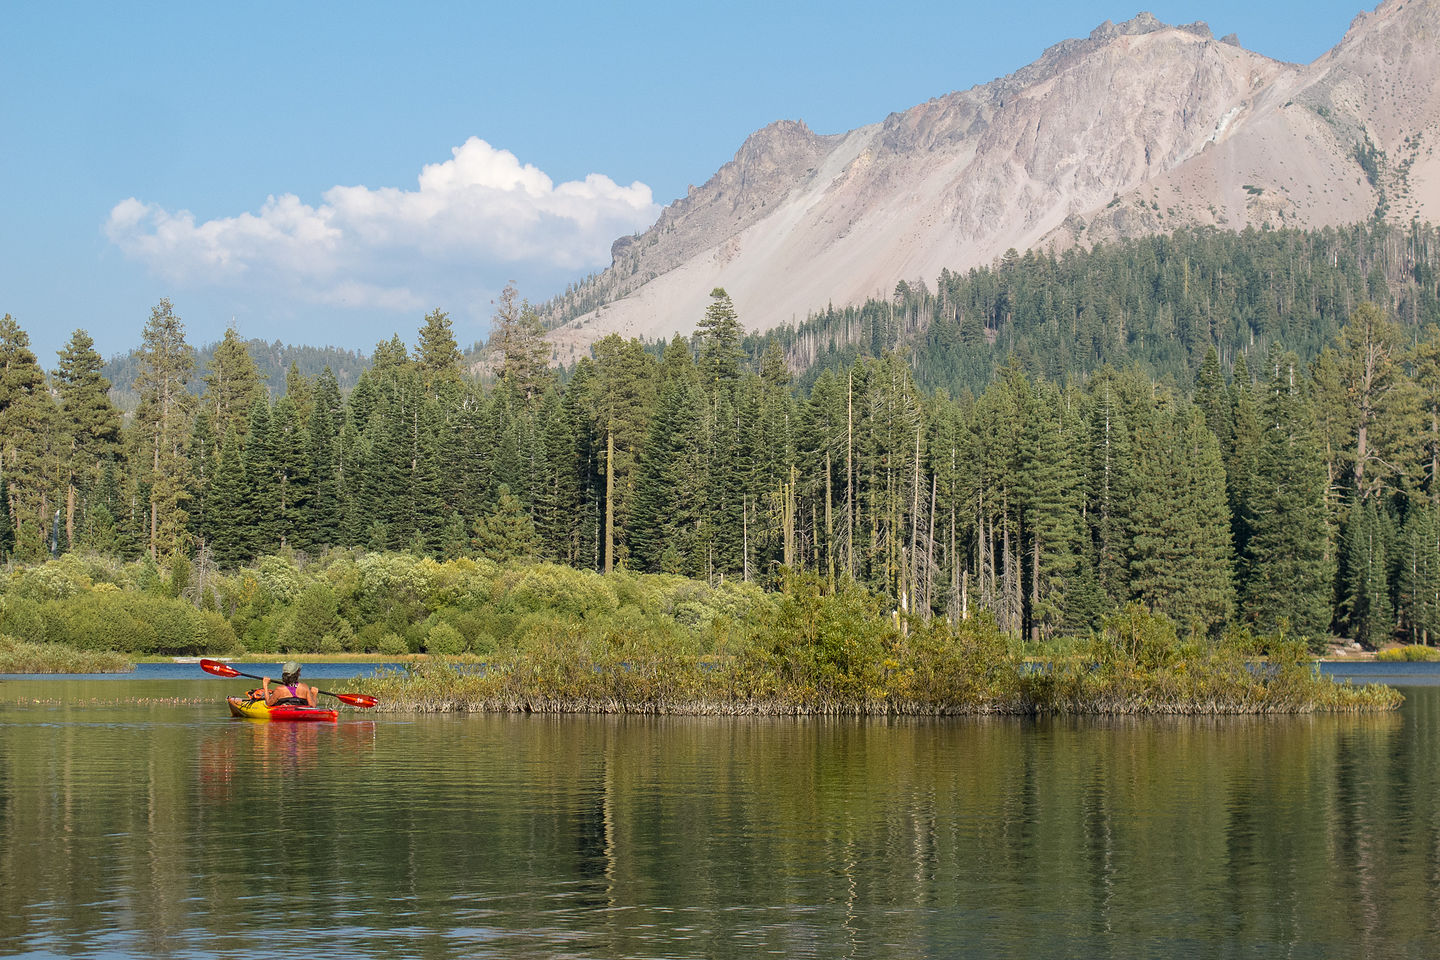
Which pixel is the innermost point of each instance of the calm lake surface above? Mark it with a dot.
(140, 821)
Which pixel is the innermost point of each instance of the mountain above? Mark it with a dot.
(1140, 128)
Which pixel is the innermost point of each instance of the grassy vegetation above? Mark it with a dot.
(818, 653)
(1412, 653)
(541, 637)
(19, 657)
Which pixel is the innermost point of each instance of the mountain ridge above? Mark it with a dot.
(1138, 128)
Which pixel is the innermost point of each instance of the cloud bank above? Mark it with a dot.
(475, 221)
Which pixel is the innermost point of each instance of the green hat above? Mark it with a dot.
(290, 669)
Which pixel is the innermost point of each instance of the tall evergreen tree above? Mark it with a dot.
(506, 533)
(27, 420)
(294, 483)
(1213, 399)
(718, 335)
(1241, 464)
(227, 516)
(163, 427)
(1419, 573)
(326, 415)
(1055, 495)
(437, 354)
(262, 496)
(89, 425)
(520, 340)
(1370, 613)
(670, 490)
(1290, 565)
(232, 385)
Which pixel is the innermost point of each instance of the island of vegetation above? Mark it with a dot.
(538, 637)
(1223, 440)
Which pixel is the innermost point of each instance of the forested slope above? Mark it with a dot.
(1242, 437)
(1157, 303)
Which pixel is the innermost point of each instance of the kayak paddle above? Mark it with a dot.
(225, 670)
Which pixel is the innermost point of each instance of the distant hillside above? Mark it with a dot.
(272, 359)
(1156, 303)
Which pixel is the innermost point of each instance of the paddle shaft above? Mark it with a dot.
(225, 670)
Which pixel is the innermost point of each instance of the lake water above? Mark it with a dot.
(140, 821)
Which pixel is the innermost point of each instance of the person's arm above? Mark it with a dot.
(311, 694)
(269, 694)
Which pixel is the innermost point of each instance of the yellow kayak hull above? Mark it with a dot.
(258, 710)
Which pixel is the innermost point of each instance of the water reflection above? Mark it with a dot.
(163, 827)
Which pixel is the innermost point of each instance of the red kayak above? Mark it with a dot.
(255, 708)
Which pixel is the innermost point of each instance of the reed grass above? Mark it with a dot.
(17, 656)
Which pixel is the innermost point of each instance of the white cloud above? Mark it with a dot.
(475, 220)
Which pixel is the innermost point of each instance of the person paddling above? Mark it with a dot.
(289, 689)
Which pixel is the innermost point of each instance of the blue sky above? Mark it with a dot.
(326, 173)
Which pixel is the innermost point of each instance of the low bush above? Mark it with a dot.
(1411, 653)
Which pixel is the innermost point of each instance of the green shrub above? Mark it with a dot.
(549, 587)
(392, 645)
(20, 618)
(279, 579)
(1411, 653)
(444, 640)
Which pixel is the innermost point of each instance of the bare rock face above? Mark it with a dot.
(1138, 128)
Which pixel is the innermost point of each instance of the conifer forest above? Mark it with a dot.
(1230, 429)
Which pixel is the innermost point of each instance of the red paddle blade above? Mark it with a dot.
(356, 699)
(218, 668)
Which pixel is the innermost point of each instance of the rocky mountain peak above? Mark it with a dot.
(1137, 128)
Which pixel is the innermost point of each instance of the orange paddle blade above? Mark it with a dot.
(219, 669)
(355, 699)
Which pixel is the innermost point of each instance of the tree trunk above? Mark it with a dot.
(850, 476)
(609, 499)
(829, 524)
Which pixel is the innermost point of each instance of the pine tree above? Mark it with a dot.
(1370, 614)
(670, 487)
(163, 428)
(1289, 563)
(1210, 595)
(227, 515)
(624, 396)
(1241, 465)
(232, 385)
(204, 461)
(326, 414)
(7, 527)
(505, 533)
(294, 483)
(718, 335)
(1109, 477)
(301, 391)
(520, 340)
(1419, 573)
(429, 464)
(261, 496)
(1054, 496)
(437, 354)
(1369, 351)
(389, 358)
(89, 425)
(558, 503)
(27, 420)
(1213, 399)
